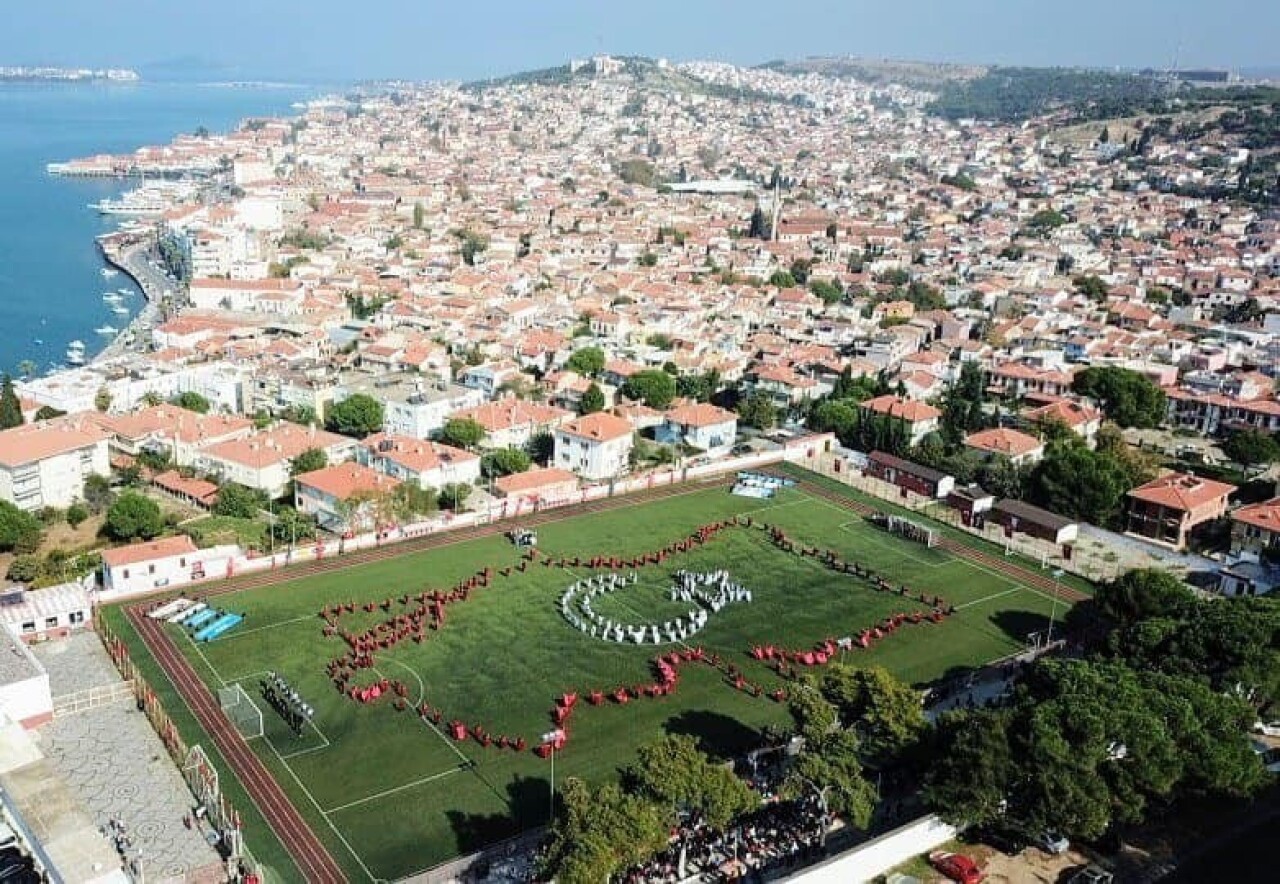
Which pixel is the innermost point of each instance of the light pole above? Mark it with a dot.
(1053, 610)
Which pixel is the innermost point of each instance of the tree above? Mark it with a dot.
(454, 496)
(25, 568)
(308, 461)
(759, 226)
(587, 361)
(831, 770)
(673, 773)
(828, 291)
(239, 502)
(972, 766)
(19, 530)
(1125, 396)
(299, 414)
(541, 447)
(76, 514)
(97, 492)
(598, 833)
(48, 412)
(134, 517)
(102, 400)
(504, 462)
(1251, 448)
(462, 432)
(592, 400)
(758, 411)
(419, 216)
(886, 715)
(782, 279)
(192, 401)
(655, 388)
(10, 407)
(1143, 594)
(358, 415)
(1073, 481)
(409, 499)
(1091, 287)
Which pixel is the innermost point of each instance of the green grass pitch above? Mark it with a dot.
(392, 795)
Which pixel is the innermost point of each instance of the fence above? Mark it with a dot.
(1092, 563)
(92, 698)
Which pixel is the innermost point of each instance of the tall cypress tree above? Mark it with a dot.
(10, 408)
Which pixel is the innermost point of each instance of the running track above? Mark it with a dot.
(307, 851)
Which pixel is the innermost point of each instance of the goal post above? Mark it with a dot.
(240, 709)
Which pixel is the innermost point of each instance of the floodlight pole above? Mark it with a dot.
(1053, 610)
(551, 811)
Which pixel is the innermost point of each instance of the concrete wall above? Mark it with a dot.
(878, 856)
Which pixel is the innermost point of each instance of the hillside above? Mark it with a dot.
(916, 74)
(642, 73)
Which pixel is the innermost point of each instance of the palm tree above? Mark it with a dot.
(27, 367)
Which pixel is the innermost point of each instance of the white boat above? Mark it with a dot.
(125, 292)
(112, 298)
(120, 310)
(106, 329)
(74, 357)
(108, 272)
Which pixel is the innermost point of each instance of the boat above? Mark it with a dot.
(75, 353)
(108, 272)
(140, 206)
(125, 292)
(112, 298)
(120, 310)
(106, 329)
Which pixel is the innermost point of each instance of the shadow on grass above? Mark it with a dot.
(717, 735)
(1019, 625)
(527, 806)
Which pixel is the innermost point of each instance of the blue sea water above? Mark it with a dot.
(50, 282)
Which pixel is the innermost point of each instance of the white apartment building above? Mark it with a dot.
(262, 461)
(46, 464)
(595, 447)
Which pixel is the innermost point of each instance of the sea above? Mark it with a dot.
(51, 284)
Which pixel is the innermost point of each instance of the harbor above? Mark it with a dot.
(136, 260)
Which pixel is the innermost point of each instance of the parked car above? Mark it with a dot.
(1007, 842)
(956, 866)
(1092, 874)
(1268, 728)
(1052, 842)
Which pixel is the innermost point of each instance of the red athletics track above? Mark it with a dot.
(309, 854)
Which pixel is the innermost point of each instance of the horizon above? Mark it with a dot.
(410, 41)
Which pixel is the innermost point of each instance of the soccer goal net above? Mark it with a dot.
(241, 710)
(905, 528)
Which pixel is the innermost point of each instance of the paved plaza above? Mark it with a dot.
(116, 765)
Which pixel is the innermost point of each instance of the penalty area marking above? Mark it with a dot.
(383, 794)
(989, 598)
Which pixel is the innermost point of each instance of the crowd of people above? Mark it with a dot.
(779, 835)
(711, 589)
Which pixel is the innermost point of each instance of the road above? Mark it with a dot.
(154, 282)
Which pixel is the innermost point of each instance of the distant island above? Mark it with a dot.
(22, 73)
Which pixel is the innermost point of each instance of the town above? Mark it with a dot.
(419, 309)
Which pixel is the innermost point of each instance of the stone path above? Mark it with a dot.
(116, 765)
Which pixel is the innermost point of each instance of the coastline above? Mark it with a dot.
(128, 260)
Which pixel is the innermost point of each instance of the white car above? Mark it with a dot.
(1268, 728)
(1052, 842)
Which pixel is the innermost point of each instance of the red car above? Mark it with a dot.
(956, 866)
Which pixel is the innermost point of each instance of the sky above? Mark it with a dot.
(347, 40)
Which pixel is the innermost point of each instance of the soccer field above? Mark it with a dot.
(392, 793)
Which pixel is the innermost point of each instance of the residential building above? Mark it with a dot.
(703, 426)
(1020, 449)
(1167, 509)
(344, 497)
(261, 461)
(429, 464)
(46, 464)
(596, 447)
(918, 419)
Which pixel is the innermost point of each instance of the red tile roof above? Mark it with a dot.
(1181, 491)
(163, 548)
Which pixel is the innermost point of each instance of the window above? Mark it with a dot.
(75, 617)
(50, 622)
(151, 569)
(29, 626)
(182, 562)
(126, 573)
